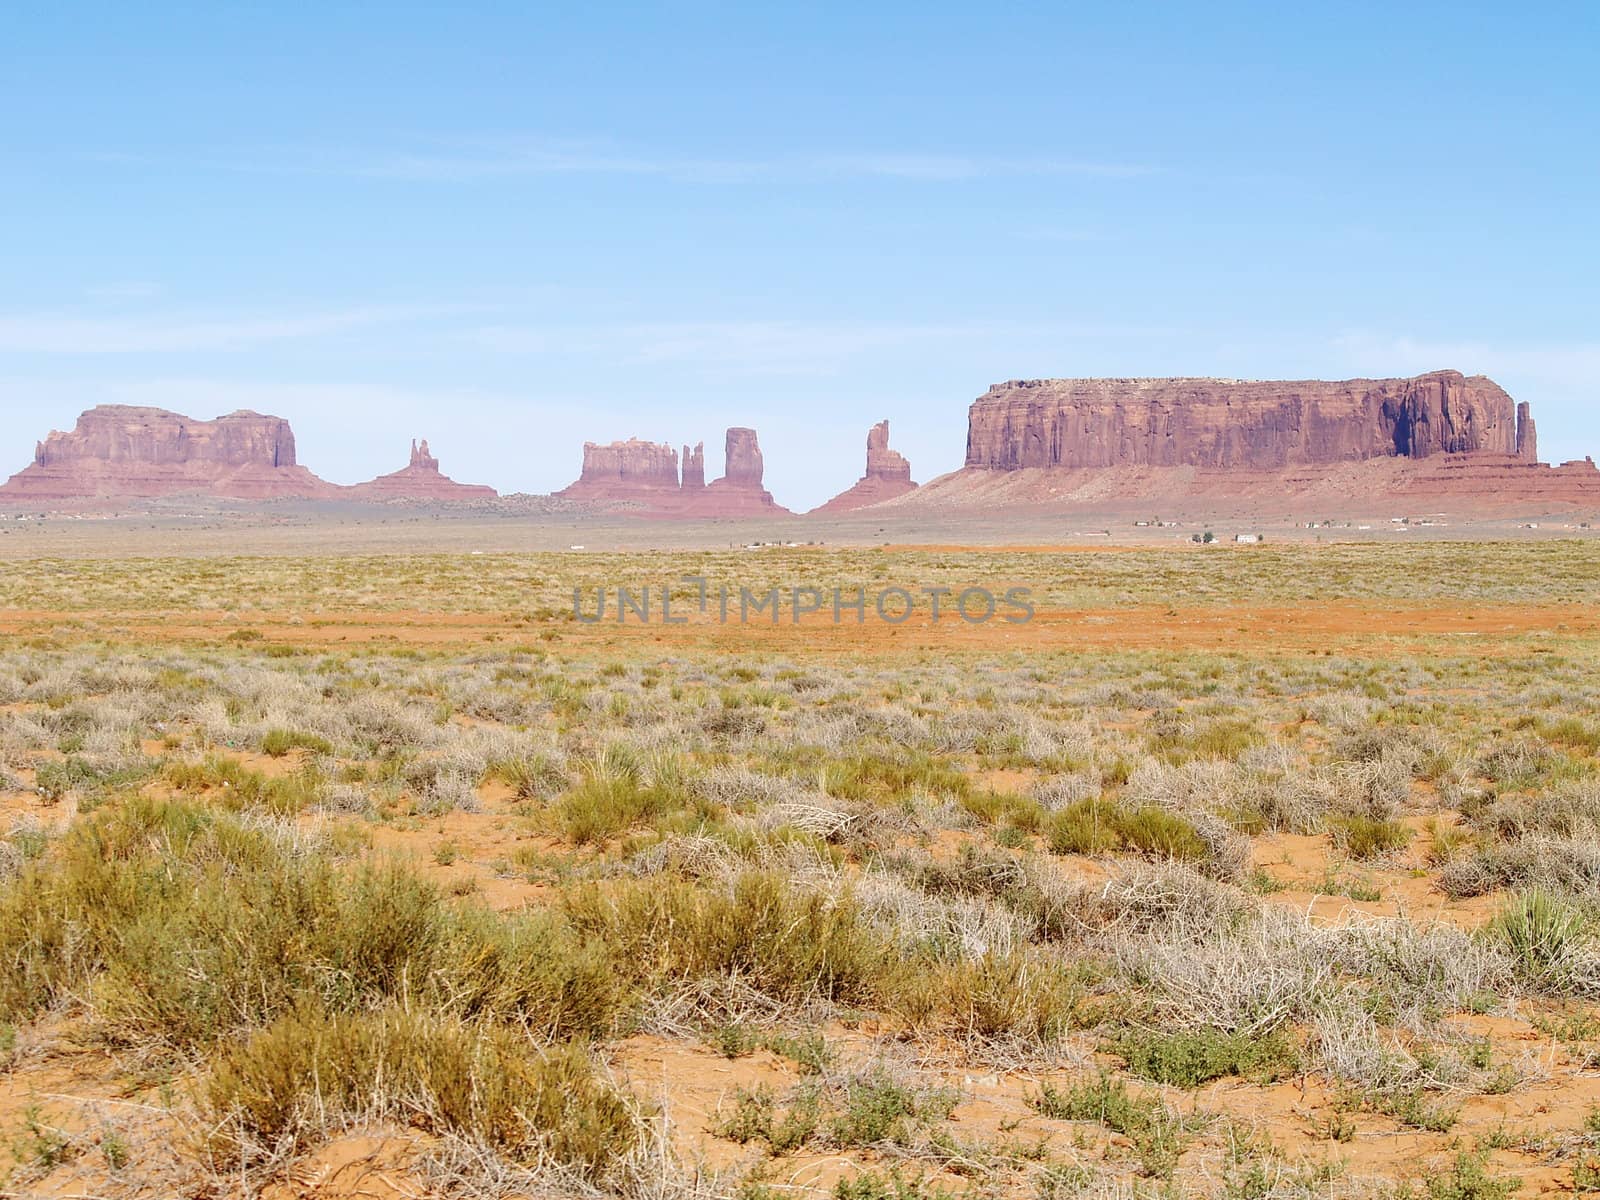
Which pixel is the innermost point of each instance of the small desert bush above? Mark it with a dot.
(236, 788)
(178, 926)
(308, 1071)
(531, 776)
(871, 1109)
(1467, 1179)
(788, 942)
(617, 793)
(279, 742)
(1547, 937)
(1000, 996)
(1222, 739)
(1188, 1058)
(885, 779)
(75, 776)
(1156, 1132)
(1098, 825)
(1363, 837)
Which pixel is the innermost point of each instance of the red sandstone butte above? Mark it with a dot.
(1079, 441)
(888, 475)
(421, 479)
(118, 452)
(630, 471)
(645, 475)
(739, 493)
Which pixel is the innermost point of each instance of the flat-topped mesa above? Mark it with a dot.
(124, 452)
(888, 475)
(1241, 425)
(694, 467)
(421, 479)
(625, 471)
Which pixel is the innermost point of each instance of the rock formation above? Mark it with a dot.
(421, 480)
(739, 493)
(120, 452)
(1093, 441)
(743, 464)
(633, 470)
(888, 475)
(1232, 424)
(645, 475)
(694, 467)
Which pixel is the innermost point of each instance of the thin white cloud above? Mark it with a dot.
(771, 347)
(54, 333)
(473, 160)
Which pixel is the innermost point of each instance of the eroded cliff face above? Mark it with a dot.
(645, 474)
(744, 465)
(739, 493)
(1244, 425)
(624, 471)
(421, 479)
(694, 467)
(888, 475)
(119, 451)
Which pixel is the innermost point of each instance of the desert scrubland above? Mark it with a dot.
(1263, 871)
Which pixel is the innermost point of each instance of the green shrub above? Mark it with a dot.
(279, 742)
(229, 784)
(787, 941)
(1162, 834)
(1085, 827)
(1366, 837)
(531, 777)
(1544, 935)
(309, 1069)
(1017, 994)
(614, 796)
(877, 1109)
(75, 776)
(870, 1185)
(884, 780)
(757, 1116)
(1192, 1057)
(1157, 1133)
(1469, 1180)
(1098, 825)
(183, 925)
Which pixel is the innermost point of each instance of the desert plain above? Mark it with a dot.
(333, 869)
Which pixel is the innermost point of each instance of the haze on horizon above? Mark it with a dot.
(511, 231)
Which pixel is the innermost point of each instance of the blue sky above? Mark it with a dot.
(513, 227)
